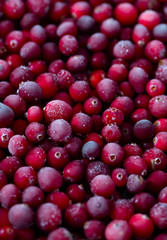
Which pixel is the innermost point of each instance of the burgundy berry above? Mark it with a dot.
(107, 90)
(14, 60)
(6, 26)
(149, 18)
(3, 179)
(7, 232)
(57, 109)
(121, 209)
(135, 165)
(94, 229)
(140, 114)
(73, 147)
(132, 149)
(64, 79)
(85, 23)
(142, 226)
(126, 13)
(135, 183)
(16, 103)
(68, 45)
(91, 150)
(158, 215)
(159, 32)
(79, 91)
(66, 27)
(112, 115)
(49, 179)
(76, 215)
(110, 27)
(117, 72)
(80, 8)
(119, 229)
(111, 133)
(155, 159)
(162, 196)
(143, 129)
(50, 52)
(14, 41)
(60, 233)
(42, 10)
(102, 11)
(24, 177)
(17, 145)
(112, 154)
(143, 202)
(97, 42)
(35, 157)
(57, 157)
(37, 67)
(4, 70)
(155, 87)
(126, 89)
(74, 171)
(5, 135)
(159, 141)
(33, 196)
(102, 185)
(141, 35)
(34, 114)
(81, 123)
(35, 132)
(9, 165)
(154, 186)
(124, 49)
(127, 133)
(142, 100)
(56, 66)
(76, 193)
(48, 217)
(92, 106)
(10, 195)
(138, 78)
(119, 177)
(5, 90)
(38, 34)
(30, 91)
(77, 63)
(96, 168)
(19, 126)
(60, 131)
(99, 60)
(21, 216)
(14, 9)
(29, 20)
(155, 50)
(30, 51)
(98, 207)
(58, 198)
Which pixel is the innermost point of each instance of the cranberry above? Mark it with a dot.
(80, 8)
(117, 72)
(7, 232)
(143, 202)
(141, 225)
(154, 186)
(94, 229)
(79, 91)
(143, 129)
(119, 229)
(111, 133)
(66, 27)
(124, 49)
(3, 179)
(35, 132)
(48, 216)
(135, 183)
(6, 26)
(149, 18)
(30, 51)
(56, 66)
(50, 51)
(73, 147)
(60, 233)
(85, 23)
(57, 157)
(159, 32)
(138, 78)
(97, 42)
(33, 196)
(76, 193)
(65, 79)
(73, 171)
(5, 90)
(29, 20)
(141, 35)
(160, 125)
(40, 10)
(91, 150)
(159, 141)
(59, 198)
(14, 9)
(81, 123)
(119, 177)
(157, 106)
(68, 45)
(9, 165)
(155, 50)
(135, 165)
(21, 216)
(35, 158)
(158, 215)
(4, 70)
(17, 145)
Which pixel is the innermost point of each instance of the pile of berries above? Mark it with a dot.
(83, 120)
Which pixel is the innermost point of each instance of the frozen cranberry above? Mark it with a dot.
(79, 91)
(4, 70)
(159, 141)
(160, 125)
(3, 179)
(107, 90)
(76, 193)
(5, 89)
(135, 165)
(124, 49)
(162, 196)
(155, 87)
(91, 150)
(68, 45)
(60, 233)
(92, 106)
(140, 114)
(35, 158)
(21, 216)
(64, 79)
(40, 9)
(30, 51)
(14, 9)
(126, 13)
(80, 8)
(112, 154)
(119, 177)
(155, 159)
(112, 116)
(143, 129)
(49, 179)
(98, 207)
(10, 195)
(59, 198)
(48, 217)
(94, 229)
(50, 51)
(14, 60)
(77, 63)
(16, 103)
(121, 209)
(9, 165)
(85, 23)
(66, 27)
(37, 67)
(132, 149)
(141, 225)
(99, 60)
(76, 215)
(110, 27)
(29, 20)
(158, 215)
(73, 147)
(142, 100)
(102, 11)
(24, 177)
(154, 186)
(135, 183)
(34, 114)
(56, 66)
(159, 32)
(33, 196)
(141, 35)
(95, 77)
(19, 75)
(149, 18)
(157, 106)
(155, 50)
(126, 89)
(6, 26)
(119, 229)
(161, 71)
(111, 133)
(25, 233)
(30, 91)
(17, 145)
(123, 103)
(143, 202)
(57, 157)
(35, 132)
(19, 126)
(73, 172)
(97, 42)
(138, 78)
(81, 123)
(38, 34)
(7, 232)
(60, 131)
(117, 72)
(14, 41)
(5, 135)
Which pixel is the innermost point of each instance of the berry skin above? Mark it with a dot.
(155, 50)
(18, 145)
(121, 209)
(160, 141)
(94, 229)
(5, 135)
(158, 215)
(35, 132)
(60, 233)
(35, 157)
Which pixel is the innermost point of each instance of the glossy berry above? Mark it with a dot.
(155, 50)
(112, 116)
(143, 202)
(121, 209)
(73, 171)
(135, 165)
(59, 198)
(159, 141)
(155, 87)
(34, 114)
(143, 129)
(35, 157)
(76, 193)
(111, 133)
(119, 177)
(57, 157)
